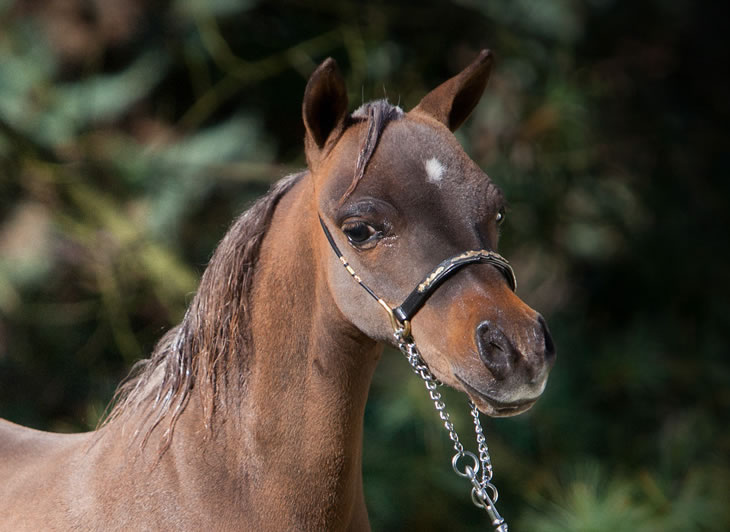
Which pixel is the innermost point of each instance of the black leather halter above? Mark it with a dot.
(401, 315)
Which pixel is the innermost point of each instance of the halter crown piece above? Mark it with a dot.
(483, 493)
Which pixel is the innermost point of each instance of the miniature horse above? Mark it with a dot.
(249, 413)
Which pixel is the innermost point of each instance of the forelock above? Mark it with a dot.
(377, 114)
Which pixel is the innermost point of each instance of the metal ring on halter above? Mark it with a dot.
(467, 468)
(491, 487)
(401, 328)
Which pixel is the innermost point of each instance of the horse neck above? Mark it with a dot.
(308, 377)
(284, 448)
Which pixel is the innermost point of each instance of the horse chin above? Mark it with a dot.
(500, 410)
(492, 407)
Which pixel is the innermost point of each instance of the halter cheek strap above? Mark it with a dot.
(401, 315)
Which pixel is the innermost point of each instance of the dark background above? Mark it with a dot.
(131, 134)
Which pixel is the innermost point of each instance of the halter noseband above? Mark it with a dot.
(401, 315)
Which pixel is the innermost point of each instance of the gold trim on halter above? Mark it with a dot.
(428, 281)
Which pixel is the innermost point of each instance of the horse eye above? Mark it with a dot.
(500, 217)
(359, 232)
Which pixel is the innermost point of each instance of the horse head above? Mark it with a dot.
(398, 196)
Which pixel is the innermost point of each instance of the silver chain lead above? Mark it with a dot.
(484, 494)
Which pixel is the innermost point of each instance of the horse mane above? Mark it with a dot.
(215, 331)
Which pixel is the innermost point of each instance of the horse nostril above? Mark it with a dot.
(549, 345)
(494, 350)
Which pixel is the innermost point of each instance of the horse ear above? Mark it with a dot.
(325, 104)
(452, 102)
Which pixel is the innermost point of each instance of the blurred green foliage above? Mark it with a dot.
(132, 133)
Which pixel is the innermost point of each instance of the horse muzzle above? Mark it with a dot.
(517, 367)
